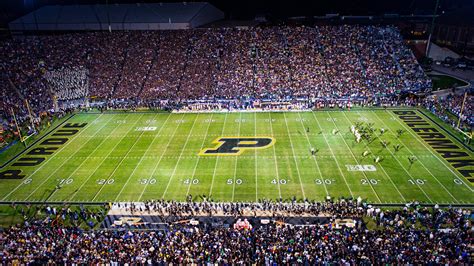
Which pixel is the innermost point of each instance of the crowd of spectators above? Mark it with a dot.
(448, 108)
(277, 63)
(140, 56)
(232, 68)
(409, 235)
(241, 67)
(340, 209)
(10, 133)
(165, 75)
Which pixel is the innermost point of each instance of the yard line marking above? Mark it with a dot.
(100, 163)
(240, 156)
(141, 159)
(256, 163)
(201, 135)
(314, 157)
(217, 160)
(429, 148)
(419, 160)
(274, 156)
(54, 155)
(385, 172)
(353, 156)
(65, 161)
(294, 154)
(337, 162)
(159, 160)
(87, 157)
(179, 158)
(199, 157)
(120, 163)
(236, 160)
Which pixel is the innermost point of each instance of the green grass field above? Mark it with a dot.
(441, 82)
(109, 160)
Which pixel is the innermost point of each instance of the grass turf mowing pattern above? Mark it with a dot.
(109, 160)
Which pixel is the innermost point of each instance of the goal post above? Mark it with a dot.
(30, 115)
(23, 138)
(17, 127)
(467, 134)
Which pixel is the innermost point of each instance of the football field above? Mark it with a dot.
(236, 156)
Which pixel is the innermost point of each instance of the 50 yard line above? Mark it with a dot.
(256, 163)
(236, 159)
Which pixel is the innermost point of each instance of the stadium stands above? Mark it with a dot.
(222, 67)
(412, 235)
(262, 63)
(67, 59)
(318, 66)
(451, 105)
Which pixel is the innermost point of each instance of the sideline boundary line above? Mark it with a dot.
(45, 162)
(445, 130)
(435, 154)
(413, 154)
(98, 203)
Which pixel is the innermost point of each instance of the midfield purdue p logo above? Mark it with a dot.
(237, 145)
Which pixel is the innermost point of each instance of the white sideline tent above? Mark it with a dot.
(439, 53)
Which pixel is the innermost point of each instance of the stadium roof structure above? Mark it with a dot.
(140, 16)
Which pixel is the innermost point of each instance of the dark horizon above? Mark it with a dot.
(278, 9)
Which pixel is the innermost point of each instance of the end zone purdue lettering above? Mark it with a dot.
(453, 154)
(228, 146)
(11, 174)
(47, 147)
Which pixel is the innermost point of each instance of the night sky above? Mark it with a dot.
(277, 9)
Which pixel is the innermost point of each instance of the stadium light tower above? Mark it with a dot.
(428, 45)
